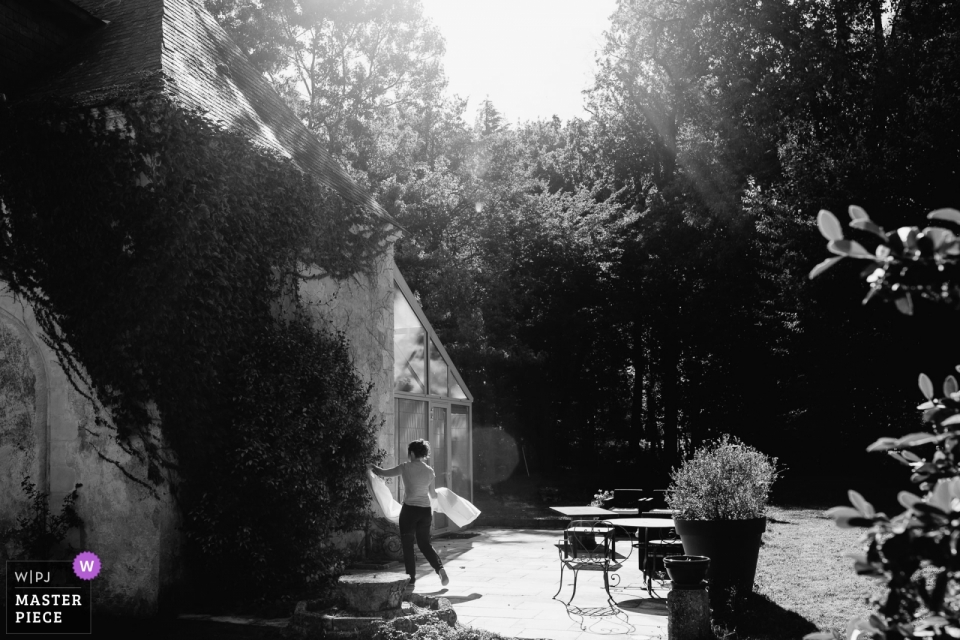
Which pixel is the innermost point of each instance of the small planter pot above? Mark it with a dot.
(686, 572)
(733, 547)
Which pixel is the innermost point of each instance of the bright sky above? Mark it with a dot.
(532, 58)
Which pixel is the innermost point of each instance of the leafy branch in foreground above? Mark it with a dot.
(916, 553)
(908, 261)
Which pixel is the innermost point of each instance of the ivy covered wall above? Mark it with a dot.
(48, 432)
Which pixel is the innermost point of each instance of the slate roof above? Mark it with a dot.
(194, 62)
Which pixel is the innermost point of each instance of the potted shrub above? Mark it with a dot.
(719, 501)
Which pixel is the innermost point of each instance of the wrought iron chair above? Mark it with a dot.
(589, 545)
(654, 553)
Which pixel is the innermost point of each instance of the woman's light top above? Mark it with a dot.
(417, 477)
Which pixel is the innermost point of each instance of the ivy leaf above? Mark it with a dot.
(829, 225)
(849, 248)
(951, 215)
(926, 387)
(823, 266)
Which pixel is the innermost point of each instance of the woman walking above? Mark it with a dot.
(416, 517)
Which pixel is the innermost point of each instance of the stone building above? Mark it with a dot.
(87, 50)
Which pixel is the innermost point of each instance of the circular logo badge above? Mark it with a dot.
(86, 565)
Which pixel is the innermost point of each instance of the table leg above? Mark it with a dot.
(647, 570)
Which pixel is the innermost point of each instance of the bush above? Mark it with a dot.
(725, 480)
(288, 476)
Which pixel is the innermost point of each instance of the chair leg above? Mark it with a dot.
(561, 583)
(575, 572)
(606, 585)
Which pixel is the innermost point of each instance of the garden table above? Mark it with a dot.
(646, 524)
(583, 512)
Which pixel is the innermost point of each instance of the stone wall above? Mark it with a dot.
(47, 430)
(132, 531)
(362, 308)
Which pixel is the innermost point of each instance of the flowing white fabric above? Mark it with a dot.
(382, 500)
(460, 511)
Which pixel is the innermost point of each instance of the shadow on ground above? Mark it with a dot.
(760, 618)
(171, 629)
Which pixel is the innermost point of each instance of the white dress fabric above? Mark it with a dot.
(460, 511)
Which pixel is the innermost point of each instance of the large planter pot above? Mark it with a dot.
(733, 547)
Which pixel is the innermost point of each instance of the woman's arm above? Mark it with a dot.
(393, 471)
(432, 489)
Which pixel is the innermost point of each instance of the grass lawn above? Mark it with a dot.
(804, 581)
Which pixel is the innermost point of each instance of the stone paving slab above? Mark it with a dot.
(503, 580)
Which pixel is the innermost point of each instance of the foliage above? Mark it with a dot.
(907, 261)
(299, 425)
(914, 554)
(435, 631)
(621, 285)
(157, 250)
(38, 532)
(601, 498)
(343, 64)
(724, 480)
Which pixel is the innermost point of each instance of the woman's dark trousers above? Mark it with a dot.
(415, 523)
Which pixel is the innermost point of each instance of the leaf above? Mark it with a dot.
(951, 215)
(843, 512)
(915, 439)
(926, 387)
(823, 266)
(911, 456)
(849, 248)
(908, 500)
(950, 386)
(829, 225)
(883, 444)
(861, 504)
(857, 213)
(819, 635)
(869, 225)
(905, 304)
(954, 419)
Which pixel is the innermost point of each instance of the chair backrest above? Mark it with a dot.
(590, 540)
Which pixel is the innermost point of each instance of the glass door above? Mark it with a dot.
(461, 480)
(438, 442)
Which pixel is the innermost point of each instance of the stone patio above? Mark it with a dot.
(503, 580)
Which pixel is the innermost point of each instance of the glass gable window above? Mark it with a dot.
(430, 399)
(409, 348)
(438, 372)
(419, 365)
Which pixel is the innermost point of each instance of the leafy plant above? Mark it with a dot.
(38, 532)
(725, 480)
(916, 553)
(601, 497)
(907, 262)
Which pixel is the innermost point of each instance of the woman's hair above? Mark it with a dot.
(419, 448)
